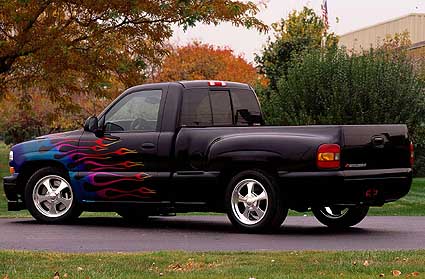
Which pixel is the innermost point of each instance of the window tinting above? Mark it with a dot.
(196, 108)
(245, 107)
(135, 112)
(221, 107)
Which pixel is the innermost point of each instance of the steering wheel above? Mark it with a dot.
(139, 124)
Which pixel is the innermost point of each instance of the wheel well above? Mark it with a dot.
(30, 168)
(230, 171)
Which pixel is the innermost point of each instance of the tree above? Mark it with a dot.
(21, 120)
(62, 47)
(203, 61)
(301, 31)
(66, 53)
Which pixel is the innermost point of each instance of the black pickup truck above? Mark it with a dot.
(202, 146)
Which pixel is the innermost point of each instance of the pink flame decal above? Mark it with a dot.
(95, 148)
(114, 178)
(112, 193)
(101, 156)
(118, 166)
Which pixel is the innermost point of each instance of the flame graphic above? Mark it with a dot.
(91, 155)
(114, 178)
(113, 193)
(119, 166)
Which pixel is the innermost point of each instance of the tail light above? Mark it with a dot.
(216, 83)
(412, 154)
(328, 156)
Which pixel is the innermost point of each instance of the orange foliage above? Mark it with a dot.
(64, 47)
(203, 61)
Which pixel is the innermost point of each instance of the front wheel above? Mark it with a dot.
(339, 216)
(49, 196)
(254, 203)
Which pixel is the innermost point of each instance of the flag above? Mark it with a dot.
(325, 13)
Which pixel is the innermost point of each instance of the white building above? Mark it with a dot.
(373, 35)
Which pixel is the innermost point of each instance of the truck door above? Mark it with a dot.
(121, 165)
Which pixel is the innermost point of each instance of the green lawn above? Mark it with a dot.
(14, 264)
(411, 205)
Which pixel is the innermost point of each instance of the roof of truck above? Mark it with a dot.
(191, 84)
(212, 83)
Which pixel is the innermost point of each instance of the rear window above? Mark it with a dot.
(221, 107)
(245, 107)
(203, 107)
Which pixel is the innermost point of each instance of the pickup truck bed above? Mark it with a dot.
(290, 152)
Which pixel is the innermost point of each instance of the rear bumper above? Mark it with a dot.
(14, 199)
(349, 187)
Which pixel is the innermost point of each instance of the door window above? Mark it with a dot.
(196, 108)
(135, 112)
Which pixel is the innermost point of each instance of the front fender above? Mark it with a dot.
(54, 147)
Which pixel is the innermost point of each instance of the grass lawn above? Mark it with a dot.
(213, 265)
(411, 205)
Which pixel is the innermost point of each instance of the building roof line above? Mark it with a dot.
(417, 45)
(382, 23)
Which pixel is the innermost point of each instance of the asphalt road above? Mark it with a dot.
(209, 233)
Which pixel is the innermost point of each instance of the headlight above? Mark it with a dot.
(10, 156)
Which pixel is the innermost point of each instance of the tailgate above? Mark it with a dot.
(375, 147)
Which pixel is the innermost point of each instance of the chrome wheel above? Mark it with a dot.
(52, 196)
(334, 212)
(249, 201)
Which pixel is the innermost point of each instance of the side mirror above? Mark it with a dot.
(92, 125)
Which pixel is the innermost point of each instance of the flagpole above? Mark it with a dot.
(325, 21)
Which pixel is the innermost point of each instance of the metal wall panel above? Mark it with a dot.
(373, 35)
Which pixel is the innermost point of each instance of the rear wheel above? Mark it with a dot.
(339, 216)
(49, 196)
(254, 203)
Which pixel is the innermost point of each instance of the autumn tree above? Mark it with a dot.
(204, 61)
(25, 119)
(96, 48)
(67, 46)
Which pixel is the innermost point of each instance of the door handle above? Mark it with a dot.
(148, 145)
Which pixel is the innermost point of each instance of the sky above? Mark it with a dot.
(352, 15)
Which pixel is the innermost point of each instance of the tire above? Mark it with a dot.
(49, 196)
(340, 217)
(246, 210)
